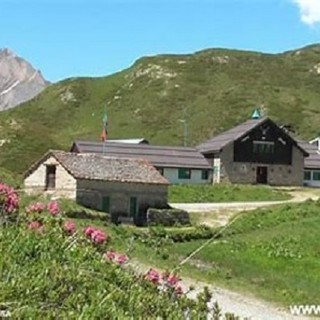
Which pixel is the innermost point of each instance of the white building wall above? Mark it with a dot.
(66, 184)
(172, 175)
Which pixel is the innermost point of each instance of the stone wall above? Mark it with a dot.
(278, 175)
(35, 183)
(90, 194)
(167, 217)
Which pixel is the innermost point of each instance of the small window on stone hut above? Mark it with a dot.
(51, 177)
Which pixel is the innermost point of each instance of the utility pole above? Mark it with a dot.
(185, 128)
(104, 128)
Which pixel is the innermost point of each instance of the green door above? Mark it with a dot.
(106, 204)
(133, 206)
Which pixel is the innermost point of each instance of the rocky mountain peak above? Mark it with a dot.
(19, 81)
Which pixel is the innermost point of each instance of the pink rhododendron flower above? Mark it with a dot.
(98, 237)
(122, 259)
(166, 282)
(118, 258)
(35, 225)
(69, 227)
(172, 280)
(9, 199)
(110, 255)
(153, 276)
(88, 231)
(36, 208)
(53, 208)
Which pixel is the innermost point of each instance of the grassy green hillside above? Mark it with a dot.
(213, 89)
(271, 252)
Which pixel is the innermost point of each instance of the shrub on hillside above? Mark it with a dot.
(155, 234)
(167, 217)
(49, 269)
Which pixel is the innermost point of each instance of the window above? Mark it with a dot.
(184, 173)
(160, 170)
(263, 147)
(307, 175)
(316, 175)
(50, 177)
(205, 174)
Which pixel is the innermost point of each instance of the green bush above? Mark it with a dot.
(49, 275)
(153, 234)
(167, 217)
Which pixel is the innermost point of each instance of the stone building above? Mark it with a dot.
(179, 165)
(256, 151)
(311, 163)
(122, 187)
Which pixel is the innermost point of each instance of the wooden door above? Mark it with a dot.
(262, 175)
(106, 204)
(133, 207)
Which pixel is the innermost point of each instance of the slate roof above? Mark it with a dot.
(313, 160)
(133, 141)
(159, 156)
(103, 168)
(220, 141)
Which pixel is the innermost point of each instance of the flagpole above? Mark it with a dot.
(104, 127)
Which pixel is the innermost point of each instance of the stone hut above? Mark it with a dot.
(120, 186)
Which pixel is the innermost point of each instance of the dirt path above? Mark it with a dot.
(219, 214)
(245, 306)
(298, 195)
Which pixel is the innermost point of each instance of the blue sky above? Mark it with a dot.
(95, 38)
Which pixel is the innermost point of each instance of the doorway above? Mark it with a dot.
(262, 175)
(106, 204)
(133, 207)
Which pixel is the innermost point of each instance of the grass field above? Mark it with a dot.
(273, 253)
(223, 193)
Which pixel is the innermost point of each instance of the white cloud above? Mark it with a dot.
(309, 11)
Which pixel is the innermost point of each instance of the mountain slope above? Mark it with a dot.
(212, 89)
(19, 81)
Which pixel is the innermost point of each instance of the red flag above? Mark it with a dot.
(104, 134)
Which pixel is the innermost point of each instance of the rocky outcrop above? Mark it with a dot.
(19, 81)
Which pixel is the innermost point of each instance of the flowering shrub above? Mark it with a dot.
(165, 281)
(35, 225)
(115, 257)
(38, 207)
(69, 227)
(96, 236)
(82, 283)
(153, 276)
(53, 208)
(9, 199)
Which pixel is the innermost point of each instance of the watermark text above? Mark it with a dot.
(305, 310)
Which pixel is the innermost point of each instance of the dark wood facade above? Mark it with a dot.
(265, 144)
